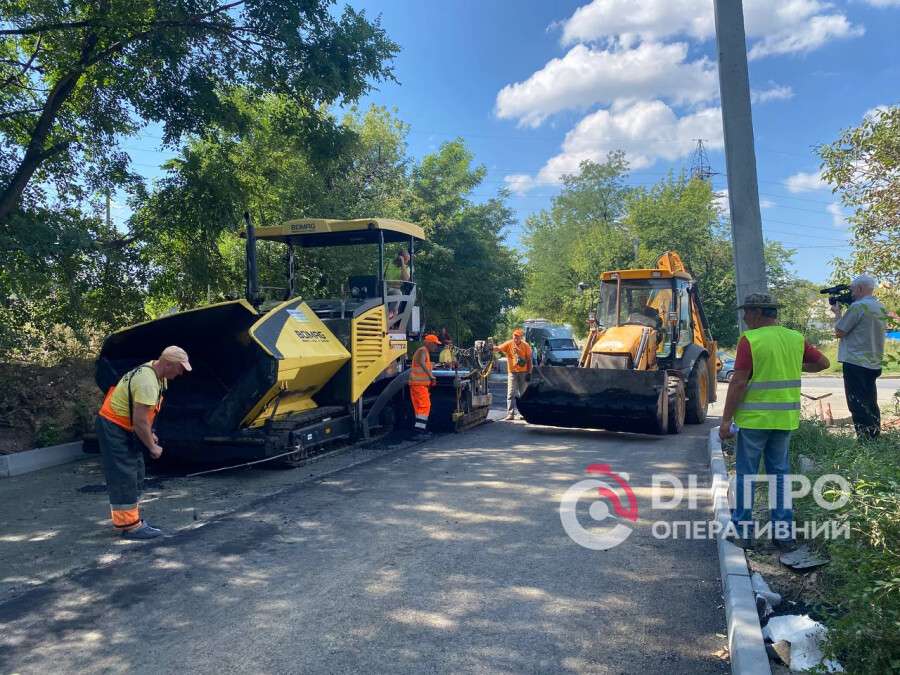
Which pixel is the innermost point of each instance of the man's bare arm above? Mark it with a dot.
(141, 422)
(821, 364)
(421, 358)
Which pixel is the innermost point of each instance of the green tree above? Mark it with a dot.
(78, 75)
(577, 238)
(863, 165)
(466, 275)
(277, 170)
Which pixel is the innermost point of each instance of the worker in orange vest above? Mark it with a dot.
(125, 427)
(518, 367)
(420, 379)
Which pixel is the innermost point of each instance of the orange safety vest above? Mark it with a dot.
(106, 411)
(418, 375)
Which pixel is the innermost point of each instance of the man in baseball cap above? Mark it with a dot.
(421, 378)
(763, 401)
(175, 354)
(125, 427)
(518, 367)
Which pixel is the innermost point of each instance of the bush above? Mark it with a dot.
(862, 583)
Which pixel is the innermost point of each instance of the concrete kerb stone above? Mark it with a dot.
(40, 458)
(745, 640)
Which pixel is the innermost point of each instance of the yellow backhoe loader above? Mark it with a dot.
(649, 363)
(296, 375)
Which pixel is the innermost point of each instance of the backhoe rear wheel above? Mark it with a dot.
(698, 392)
(677, 405)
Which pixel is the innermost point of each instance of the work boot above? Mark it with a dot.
(142, 533)
(510, 416)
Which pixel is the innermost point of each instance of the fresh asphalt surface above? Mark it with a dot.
(443, 557)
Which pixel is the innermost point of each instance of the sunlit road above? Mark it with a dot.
(445, 557)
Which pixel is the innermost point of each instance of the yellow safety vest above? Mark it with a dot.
(772, 400)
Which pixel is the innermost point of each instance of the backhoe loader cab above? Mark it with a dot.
(295, 375)
(646, 365)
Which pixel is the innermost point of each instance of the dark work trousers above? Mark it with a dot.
(123, 466)
(862, 399)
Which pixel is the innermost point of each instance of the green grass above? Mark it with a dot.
(862, 582)
(891, 358)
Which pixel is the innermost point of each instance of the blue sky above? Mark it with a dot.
(533, 87)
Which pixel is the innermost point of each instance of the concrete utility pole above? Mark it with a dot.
(740, 155)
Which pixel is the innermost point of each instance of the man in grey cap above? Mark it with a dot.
(862, 334)
(763, 400)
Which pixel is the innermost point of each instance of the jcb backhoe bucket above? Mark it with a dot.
(596, 398)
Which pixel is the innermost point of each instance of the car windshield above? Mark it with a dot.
(562, 343)
(643, 301)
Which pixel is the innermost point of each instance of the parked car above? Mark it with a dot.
(726, 372)
(551, 344)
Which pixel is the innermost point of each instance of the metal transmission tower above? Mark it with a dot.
(740, 156)
(700, 166)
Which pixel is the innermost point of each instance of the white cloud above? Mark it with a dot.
(878, 110)
(781, 26)
(805, 182)
(587, 75)
(651, 20)
(817, 31)
(721, 201)
(645, 130)
(775, 92)
(519, 183)
(766, 203)
(837, 215)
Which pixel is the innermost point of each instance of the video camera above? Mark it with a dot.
(838, 294)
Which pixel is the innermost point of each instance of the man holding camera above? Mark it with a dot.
(861, 334)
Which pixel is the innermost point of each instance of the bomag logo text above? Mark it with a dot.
(311, 335)
(302, 227)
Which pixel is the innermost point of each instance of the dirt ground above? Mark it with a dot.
(41, 406)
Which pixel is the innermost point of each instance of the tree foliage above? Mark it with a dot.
(468, 275)
(278, 171)
(864, 166)
(597, 223)
(77, 76)
(576, 239)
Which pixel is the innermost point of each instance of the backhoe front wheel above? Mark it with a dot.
(677, 405)
(698, 392)
(660, 424)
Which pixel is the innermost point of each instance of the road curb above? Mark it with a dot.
(18, 463)
(745, 640)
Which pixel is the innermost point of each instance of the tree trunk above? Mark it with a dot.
(36, 153)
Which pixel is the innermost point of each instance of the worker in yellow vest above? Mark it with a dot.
(763, 401)
(420, 379)
(125, 427)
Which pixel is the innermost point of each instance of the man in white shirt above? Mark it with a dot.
(861, 332)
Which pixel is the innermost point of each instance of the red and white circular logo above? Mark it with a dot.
(600, 539)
